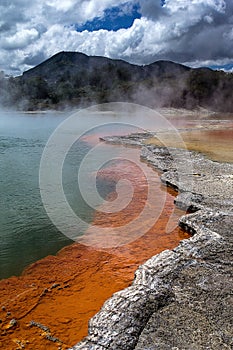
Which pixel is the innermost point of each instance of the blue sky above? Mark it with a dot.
(113, 18)
(191, 32)
(227, 67)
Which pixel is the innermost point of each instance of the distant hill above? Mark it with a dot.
(74, 63)
(75, 79)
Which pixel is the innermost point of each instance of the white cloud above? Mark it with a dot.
(187, 31)
(208, 19)
(20, 39)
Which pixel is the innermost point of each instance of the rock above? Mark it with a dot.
(180, 299)
(135, 139)
(11, 324)
(39, 325)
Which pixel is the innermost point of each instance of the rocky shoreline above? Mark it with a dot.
(180, 298)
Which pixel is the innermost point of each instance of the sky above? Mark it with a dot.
(191, 32)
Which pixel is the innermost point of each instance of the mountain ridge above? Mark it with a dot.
(85, 61)
(74, 79)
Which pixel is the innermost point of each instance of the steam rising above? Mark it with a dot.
(58, 208)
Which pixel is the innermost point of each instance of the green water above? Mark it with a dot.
(26, 232)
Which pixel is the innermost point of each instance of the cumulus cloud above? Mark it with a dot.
(20, 39)
(193, 32)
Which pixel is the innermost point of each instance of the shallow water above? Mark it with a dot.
(216, 144)
(81, 278)
(26, 232)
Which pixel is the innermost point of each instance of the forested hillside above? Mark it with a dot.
(72, 79)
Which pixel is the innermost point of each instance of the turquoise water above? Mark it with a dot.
(26, 232)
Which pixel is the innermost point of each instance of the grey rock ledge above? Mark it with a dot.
(180, 299)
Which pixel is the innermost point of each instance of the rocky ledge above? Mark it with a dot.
(182, 298)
